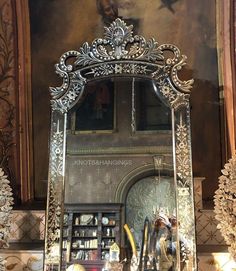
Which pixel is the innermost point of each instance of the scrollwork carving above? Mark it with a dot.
(184, 85)
(175, 98)
(114, 46)
(64, 98)
(120, 53)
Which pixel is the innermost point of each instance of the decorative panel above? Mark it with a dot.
(206, 227)
(8, 97)
(23, 260)
(206, 224)
(215, 262)
(27, 226)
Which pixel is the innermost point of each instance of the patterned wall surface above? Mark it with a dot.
(215, 262)
(207, 232)
(8, 96)
(33, 261)
(206, 224)
(23, 260)
(27, 226)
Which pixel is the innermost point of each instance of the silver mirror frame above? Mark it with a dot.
(120, 53)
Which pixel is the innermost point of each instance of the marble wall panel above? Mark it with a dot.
(27, 226)
(23, 260)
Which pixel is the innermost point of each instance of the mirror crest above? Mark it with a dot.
(120, 53)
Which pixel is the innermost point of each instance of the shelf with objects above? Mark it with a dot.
(88, 233)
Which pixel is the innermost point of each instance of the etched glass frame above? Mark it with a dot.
(120, 53)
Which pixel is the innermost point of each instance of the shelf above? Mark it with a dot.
(85, 226)
(86, 262)
(78, 235)
(95, 263)
(84, 237)
(80, 248)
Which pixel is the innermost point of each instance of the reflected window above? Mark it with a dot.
(151, 113)
(96, 110)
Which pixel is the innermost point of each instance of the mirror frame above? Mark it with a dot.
(120, 53)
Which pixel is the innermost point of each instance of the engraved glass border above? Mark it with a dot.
(120, 53)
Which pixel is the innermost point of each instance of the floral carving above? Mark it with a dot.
(116, 69)
(186, 225)
(225, 205)
(64, 99)
(6, 202)
(7, 125)
(114, 46)
(55, 196)
(183, 162)
(121, 53)
(53, 224)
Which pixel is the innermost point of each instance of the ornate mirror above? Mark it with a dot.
(120, 190)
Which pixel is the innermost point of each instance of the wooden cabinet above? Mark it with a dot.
(88, 232)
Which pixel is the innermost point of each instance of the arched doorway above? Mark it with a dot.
(147, 198)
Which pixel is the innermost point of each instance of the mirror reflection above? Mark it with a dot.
(152, 201)
(151, 112)
(114, 175)
(96, 111)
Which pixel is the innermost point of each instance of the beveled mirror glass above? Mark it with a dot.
(120, 191)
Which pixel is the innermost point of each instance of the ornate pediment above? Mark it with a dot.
(120, 53)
